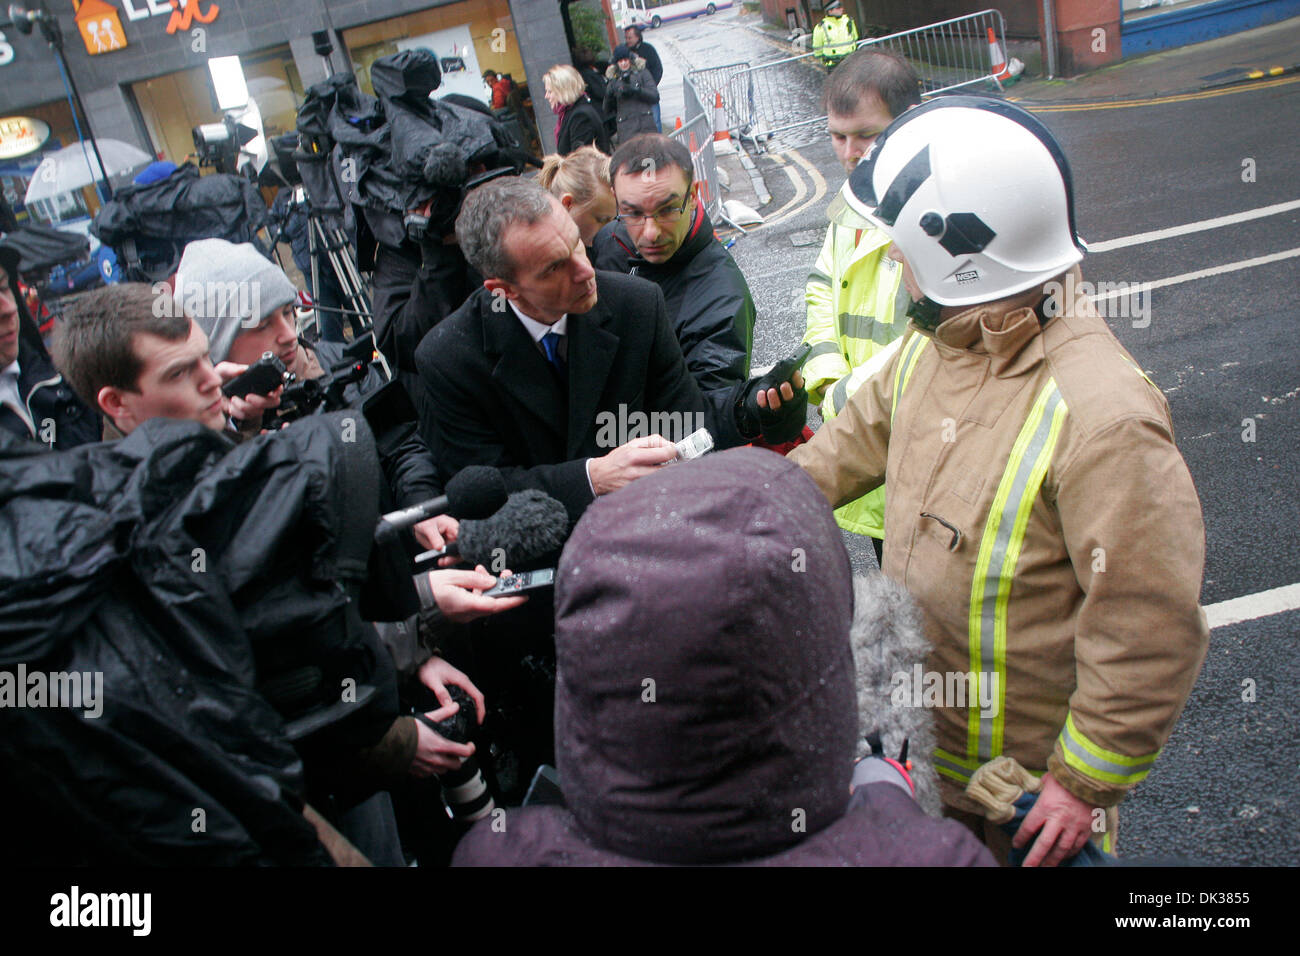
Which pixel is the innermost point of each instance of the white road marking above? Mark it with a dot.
(1140, 288)
(1251, 606)
(1139, 238)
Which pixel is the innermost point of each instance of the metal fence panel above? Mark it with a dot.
(784, 95)
(696, 134)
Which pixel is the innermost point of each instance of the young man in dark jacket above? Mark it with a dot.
(35, 402)
(716, 725)
(663, 234)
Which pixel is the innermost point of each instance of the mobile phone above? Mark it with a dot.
(782, 370)
(525, 581)
(694, 445)
(261, 378)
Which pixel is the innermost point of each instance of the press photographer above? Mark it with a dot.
(405, 161)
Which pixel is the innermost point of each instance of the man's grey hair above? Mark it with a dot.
(488, 212)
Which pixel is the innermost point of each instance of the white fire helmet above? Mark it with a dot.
(975, 192)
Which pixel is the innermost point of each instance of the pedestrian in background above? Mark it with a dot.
(636, 43)
(578, 121)
(631, 94)
(835, 37)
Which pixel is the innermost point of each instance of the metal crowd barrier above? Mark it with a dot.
(771, 98)
(696, 134)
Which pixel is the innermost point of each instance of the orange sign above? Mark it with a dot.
(185, 12)
(100, 27)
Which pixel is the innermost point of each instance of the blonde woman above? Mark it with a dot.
(580, 181)
(579, 122)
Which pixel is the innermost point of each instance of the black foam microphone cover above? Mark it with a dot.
(530, 525)
(475, 492)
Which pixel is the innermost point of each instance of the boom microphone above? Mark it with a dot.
(530, 524)
(474, 492)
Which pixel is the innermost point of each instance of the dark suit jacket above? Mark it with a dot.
(496, 401)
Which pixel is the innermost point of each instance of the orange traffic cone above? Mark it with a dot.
(678, 124)
(997, 58)
(720, 130)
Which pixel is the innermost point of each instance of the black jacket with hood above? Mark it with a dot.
(707, 297)
(705, 707)
(185, 570)
(49, 399)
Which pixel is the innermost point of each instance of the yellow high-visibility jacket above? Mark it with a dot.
(1044, 520)
(856, 307)
(835, 37)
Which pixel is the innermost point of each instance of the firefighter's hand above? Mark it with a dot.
(1065, 823)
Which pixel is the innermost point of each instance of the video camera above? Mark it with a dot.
(313, 396)
(220, 144)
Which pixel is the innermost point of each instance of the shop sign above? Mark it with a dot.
(182, 13)
(100, 26)
(20, 135)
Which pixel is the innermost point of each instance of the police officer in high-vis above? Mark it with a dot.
(836, 36)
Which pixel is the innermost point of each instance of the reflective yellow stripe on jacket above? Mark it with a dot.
(995, 568)
(1093, 761)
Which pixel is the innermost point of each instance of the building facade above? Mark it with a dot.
(141, 65)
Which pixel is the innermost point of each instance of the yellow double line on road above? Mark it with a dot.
(1152, 101)
(797, 203)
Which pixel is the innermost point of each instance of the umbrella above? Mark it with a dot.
(67, 169)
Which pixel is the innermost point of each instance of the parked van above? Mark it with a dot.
(635, 12)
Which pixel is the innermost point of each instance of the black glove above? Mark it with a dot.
(777, 427)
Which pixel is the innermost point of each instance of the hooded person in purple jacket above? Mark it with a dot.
(706, 709)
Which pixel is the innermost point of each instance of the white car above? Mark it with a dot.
(635, 13)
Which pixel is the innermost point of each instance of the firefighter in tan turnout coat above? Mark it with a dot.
(1039, 509)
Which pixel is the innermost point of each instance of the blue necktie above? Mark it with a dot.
(551, 346)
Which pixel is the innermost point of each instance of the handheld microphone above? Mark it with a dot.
(474, 492)
(529, 525)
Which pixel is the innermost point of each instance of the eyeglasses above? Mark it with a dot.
(665, 217)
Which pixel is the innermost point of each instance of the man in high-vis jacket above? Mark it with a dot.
(1038, 507)
(856, 299)
(835, 37)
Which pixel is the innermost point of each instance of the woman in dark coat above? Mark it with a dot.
(580, 123)
(631, 94)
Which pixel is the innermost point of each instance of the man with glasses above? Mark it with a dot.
(663, 234)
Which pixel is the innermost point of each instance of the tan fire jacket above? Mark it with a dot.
(1045, 521)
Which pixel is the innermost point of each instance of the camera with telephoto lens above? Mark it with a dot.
(464, 791)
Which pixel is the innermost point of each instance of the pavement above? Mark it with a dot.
(1213, 64)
